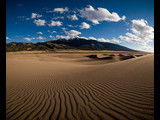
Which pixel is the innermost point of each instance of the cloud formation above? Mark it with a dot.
(113, 40)
(52, 31)
(55, 23)
(61, 10)
(35, 15)
(72, 25)
(32, 38)
(147, 48)
(62, 37)
(84, 26)
(58, 17)
(40, 38)
(142, 33)
(39, 22)
(101, 14)
(73, 33)
(92, 38)
(51, 36)
(82, 37)
(72, 17)
(28, 39)
(40, 33)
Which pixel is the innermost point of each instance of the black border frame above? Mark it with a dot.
(3, 60)
(156, 60)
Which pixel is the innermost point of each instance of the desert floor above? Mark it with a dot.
(80, 86)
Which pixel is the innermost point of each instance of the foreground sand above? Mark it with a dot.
(80, 87)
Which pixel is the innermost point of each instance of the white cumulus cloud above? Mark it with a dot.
(62, 37)
(35, 15)
(72, 17)
(51, 36)
(32, 38)
(39, 22)
(40, 38)
(103, 40)
(61, 10)
(55, 23)
(72, 25)
(73, 33)
(142, 33)
(28, 39)
(101, 14)
(82, 37)
(146, 48)
(84, 26)
(113, 40)
(93, 38)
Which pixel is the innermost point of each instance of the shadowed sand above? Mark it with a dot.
(85, 86)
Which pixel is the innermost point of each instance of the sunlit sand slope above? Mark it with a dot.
(63, 89)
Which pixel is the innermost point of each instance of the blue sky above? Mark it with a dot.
(126, 22)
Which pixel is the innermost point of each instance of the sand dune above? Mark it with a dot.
(77, 87)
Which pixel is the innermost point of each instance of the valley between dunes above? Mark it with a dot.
(80, 86)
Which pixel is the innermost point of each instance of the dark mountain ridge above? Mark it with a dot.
(75, 43)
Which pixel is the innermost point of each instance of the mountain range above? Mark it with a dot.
(74, 43)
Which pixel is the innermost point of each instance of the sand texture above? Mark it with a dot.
(65, 86)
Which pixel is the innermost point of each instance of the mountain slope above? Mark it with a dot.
(75, 43)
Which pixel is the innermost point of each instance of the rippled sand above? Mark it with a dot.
(67, 86)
